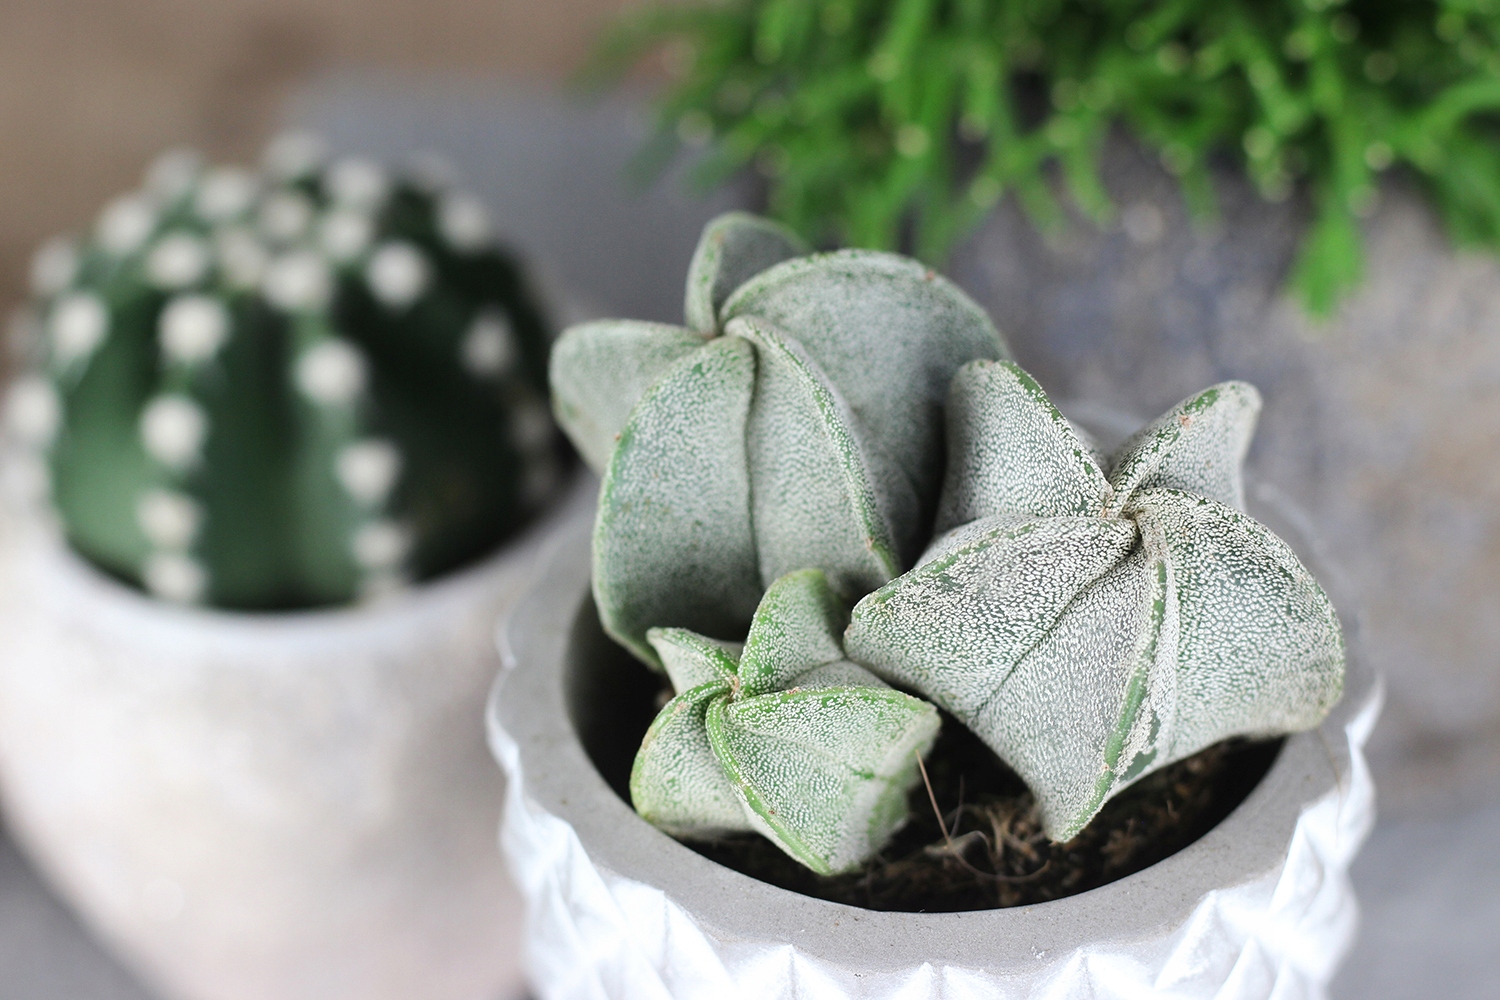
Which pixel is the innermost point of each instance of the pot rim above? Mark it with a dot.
(527, 706)
(38, 531)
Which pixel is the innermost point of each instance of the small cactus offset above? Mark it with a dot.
(287, 389)
(1093, 621)
(782, 735)
(795, 422)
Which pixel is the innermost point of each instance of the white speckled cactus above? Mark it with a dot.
(289, 388)
(782, 735)
(1093, 621)
(795, 422)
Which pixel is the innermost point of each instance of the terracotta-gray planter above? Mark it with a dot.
(264, 807)
(1258, 907)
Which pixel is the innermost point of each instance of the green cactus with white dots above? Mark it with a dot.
(302, 386)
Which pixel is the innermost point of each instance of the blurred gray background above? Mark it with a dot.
(1384, 425)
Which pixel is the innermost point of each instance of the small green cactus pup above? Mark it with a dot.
(1094, 622)
(783, 735)
(796, 421)
(290, 388)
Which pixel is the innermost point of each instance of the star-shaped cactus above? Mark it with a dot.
(797, 421)
(783, 735)
(1090, 622)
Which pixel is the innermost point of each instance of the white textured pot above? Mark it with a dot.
(265, 807)
(1260, 907)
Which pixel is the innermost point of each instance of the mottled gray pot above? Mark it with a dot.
(1259, 907)
(276, 807)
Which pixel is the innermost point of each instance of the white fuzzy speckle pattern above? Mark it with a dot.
(380, 544)
(1094, 628)
(242, 259)
(784, 736)
(285, 215)
(178, 261)
(839, 460)
(674, 508)
(172, 174)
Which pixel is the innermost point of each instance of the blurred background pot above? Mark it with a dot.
(1260, 906)
(265, 806)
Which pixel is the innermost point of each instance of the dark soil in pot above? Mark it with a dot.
(987, 850)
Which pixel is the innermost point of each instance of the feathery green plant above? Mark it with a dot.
(881, 120)
(287, 389)
(1091, 620)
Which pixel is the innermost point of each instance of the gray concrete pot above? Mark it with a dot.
(1259, 907)
(264, 807)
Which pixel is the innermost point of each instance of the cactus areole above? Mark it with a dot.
(844, 429)
(298, 387)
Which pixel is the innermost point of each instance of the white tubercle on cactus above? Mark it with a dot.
(380, 544)
(299, 281)
(292, 155)
(783, 735)
(489, 348)
(242, 259)
(172, 173)
(193, 328)
(331, 372)
(175, 577)
(226, 193)
(54, 267)
(125, 224)
(794, 422)
(346, 233)
(285, 215)
(398, 274)
(1095, 623)
(358, 184)
(33, 411)
(177, 262)
(368, 470)
(173, 429)
(169, 519)
(463, 222)
(77, 326)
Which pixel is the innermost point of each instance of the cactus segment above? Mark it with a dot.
(291, 389)
(787, 738)
(837, 454)
(599, 370)
(734, 248)
(674, 505)
(1091, 632)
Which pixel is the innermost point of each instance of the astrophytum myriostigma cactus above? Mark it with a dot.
(795, 422)
(1094, 621)
(783, 735)
(290, 388)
